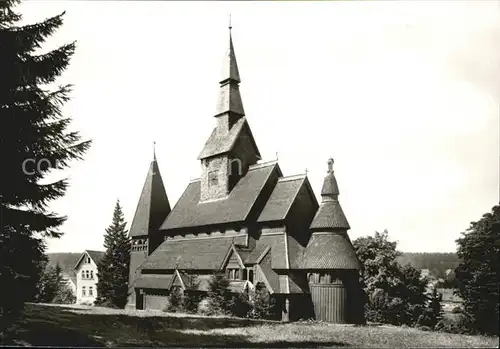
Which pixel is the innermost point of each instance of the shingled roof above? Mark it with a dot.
(190, 212)
(330, 251)
(329, 214)
(194, 253)
(153, 205)
(281, 199)
(160, 281)
(219, 143)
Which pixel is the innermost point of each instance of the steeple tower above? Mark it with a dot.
(229, 106)
(231, 148)
(330, 214)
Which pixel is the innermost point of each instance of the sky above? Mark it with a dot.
(403, 95)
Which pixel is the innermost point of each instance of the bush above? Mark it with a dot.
(457, 310)
(191, 301)
(262, 304)
(240, 305)
(457, 325)
(175, 300)
(204, 307)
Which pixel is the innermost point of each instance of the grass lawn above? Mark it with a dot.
(45, 325)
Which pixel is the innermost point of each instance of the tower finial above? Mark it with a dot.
(230, 26)
(154, 150)
(330, 165)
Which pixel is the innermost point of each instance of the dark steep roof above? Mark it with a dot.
(66, 261)
(330, 215)
(219, 144)
(153, 205)
(190, 212)
(192, 253)
(330, 251)
(281, 200)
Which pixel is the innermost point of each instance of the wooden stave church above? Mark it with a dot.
(243, 217)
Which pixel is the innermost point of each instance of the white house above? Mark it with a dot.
(86, 276)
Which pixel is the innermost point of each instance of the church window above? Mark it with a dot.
(212, 178)
(250, 276)
(245, 274)
(84, 293)
(91, 291)
(236, 274)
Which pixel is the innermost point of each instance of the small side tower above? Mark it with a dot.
(331, 262)
(152, 209)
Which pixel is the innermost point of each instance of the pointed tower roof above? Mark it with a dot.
(229, 94)
(153, 206)
(330, 214)
(329, 246)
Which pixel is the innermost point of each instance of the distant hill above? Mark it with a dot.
(66, 261)
(436, 262)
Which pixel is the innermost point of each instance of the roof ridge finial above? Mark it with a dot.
(154, 150)
(230, 26)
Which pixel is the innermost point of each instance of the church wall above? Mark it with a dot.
(242, 155)
(214, 178)
(138, 254)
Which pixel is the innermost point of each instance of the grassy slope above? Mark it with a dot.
(58, 326)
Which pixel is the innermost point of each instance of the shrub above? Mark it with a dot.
(457, 310)
(457, 325)
(240, 305)
(191, 301)
(175, 300)
(204, 307)
(262, 304)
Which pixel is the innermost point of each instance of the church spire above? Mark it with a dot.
(229, 96)
(330, 214)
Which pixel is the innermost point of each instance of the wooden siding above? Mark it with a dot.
(330, 302)
(155, 302)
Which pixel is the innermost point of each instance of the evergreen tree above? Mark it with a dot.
(33, 140)
(477, 274)
(219, 295)
(113, 269)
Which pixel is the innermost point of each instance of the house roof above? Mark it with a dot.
(96, 256)
(153, 205)
(281, 199)
(194, 253)
(190, 212)
(329, 251)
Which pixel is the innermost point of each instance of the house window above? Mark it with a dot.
(212, 178)
(83, 291)
(88, 260)
(91, 291)
(91, 274)
(83, 274)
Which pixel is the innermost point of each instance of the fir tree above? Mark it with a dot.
(219, 295)
(113, 269)
(33, 140)
(478, 272)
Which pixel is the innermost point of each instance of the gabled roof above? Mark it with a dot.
(219, 143)
(153, 205)
(330, 250)
(190, 212)
(283, 197)
(96, 257)
(232, 251)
